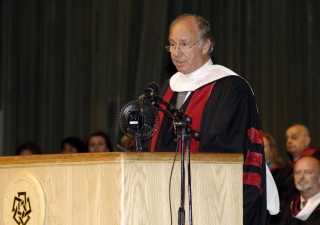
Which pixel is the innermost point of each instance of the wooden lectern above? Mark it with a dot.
(118, 188)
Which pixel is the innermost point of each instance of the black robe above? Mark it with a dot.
(230, 123)
(285, 182)
(288, 219)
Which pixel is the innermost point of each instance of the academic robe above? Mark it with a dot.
(285, 181)
(293, 209)
(229, 122)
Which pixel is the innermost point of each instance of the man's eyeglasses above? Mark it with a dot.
(183, 47)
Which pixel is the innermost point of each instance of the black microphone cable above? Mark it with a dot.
(170, 179)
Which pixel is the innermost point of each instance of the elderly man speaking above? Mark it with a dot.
(222, 107)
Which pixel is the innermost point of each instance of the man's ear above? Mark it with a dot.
(206, 46)
(307, 140)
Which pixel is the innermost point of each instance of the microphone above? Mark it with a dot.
(149, 92)
(151, 89)
(150, 95)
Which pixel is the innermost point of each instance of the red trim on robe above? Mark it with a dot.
(317, 209)
(308, 152)
(253, 159)
(254, 179)
(274, 167)
(194, 110)
(167, 97)
(295, 206)
(256, 136)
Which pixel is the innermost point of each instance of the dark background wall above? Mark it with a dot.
(68, 67)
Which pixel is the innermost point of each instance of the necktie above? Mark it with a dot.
(304, 203)
(180, 99)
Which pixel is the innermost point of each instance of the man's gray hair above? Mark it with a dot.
(204, 28)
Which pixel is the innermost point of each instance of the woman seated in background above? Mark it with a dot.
(72, 145)
(99, 142)
(273, 161)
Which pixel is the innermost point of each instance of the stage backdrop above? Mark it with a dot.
(68, 67)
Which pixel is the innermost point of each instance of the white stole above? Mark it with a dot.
(307, 210)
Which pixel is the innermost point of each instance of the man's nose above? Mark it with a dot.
(176, 51)
(301, 176)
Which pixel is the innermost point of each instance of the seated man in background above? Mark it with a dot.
(305, 209)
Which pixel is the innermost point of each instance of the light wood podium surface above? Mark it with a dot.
(119, 188)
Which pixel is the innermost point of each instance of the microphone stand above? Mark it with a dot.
(138, 140)
(185, 138)
(189, 178)
(181, 212)
(180, 120)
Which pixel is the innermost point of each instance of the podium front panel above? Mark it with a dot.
(118, 188)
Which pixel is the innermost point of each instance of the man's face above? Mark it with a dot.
(306, 174)
(296, 141)
(185, 32)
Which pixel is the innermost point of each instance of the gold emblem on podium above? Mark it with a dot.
(24, 202)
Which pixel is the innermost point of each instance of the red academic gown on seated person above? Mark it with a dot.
(228, 121)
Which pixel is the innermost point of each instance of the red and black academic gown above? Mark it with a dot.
(285, 182)
(225, 113)
(291, 215)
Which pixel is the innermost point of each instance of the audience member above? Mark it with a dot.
(128, 143)
(72, 145)
(305, 208)
(99, 142)
(273, 161)
(28, 148)
(298, 145)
